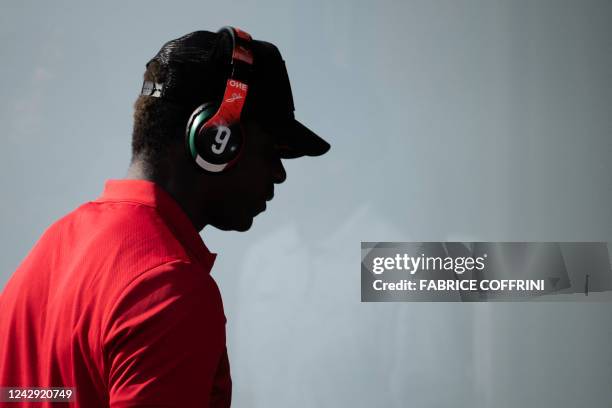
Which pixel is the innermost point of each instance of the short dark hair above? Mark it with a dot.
(193, 69)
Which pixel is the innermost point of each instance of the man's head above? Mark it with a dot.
(193, 70)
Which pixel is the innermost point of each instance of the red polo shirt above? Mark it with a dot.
(117, 301)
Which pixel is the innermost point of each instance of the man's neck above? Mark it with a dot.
(138, 171)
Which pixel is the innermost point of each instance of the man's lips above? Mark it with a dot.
(261, 209)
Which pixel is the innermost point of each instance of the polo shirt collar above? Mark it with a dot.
(150, 194)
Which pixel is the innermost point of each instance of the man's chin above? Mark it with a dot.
(241, 225)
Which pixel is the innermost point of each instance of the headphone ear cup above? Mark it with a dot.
(214, 147)
(196, 121)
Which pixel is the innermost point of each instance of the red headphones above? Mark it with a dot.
(214, 136)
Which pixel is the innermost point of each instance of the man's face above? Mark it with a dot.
(244, 189)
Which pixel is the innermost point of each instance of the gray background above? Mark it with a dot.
(449, 120)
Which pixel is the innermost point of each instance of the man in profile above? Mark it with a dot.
(116, 300)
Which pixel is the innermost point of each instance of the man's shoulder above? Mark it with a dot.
(172, 277)
(131, 231)
(108, 246)
(161, 296)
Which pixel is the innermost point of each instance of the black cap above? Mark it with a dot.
(270, 101)
(196, 68)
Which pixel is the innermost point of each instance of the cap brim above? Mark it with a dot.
(296, 140)
(270, 101)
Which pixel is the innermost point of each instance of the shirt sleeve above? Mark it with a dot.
(164, 339)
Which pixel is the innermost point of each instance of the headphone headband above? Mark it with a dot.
(237, 83)
(215, 142)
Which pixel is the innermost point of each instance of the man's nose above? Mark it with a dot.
(279, 174)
